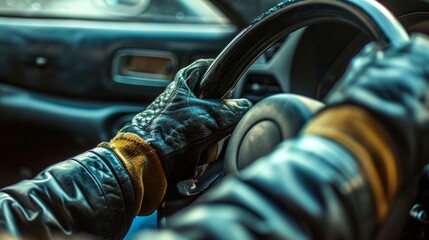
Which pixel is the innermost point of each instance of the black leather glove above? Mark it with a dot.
(179, 126)
(164, 144)
(393, 85)
(378, 112)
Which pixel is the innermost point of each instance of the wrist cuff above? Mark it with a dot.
(358, 132)
(144, 167)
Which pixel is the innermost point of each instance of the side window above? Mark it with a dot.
(169, 11)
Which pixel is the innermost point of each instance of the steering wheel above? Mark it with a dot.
(277, 118)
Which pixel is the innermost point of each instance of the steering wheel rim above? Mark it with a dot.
(369, 16)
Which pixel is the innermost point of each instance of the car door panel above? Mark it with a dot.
(58, 94)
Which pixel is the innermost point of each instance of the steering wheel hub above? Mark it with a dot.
(267, 124)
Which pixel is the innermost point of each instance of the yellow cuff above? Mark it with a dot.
(367, 140)
(144, 167)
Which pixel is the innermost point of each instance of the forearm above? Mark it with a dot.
(90, 193)
(371, 144)
(338, 180)
(297, 192)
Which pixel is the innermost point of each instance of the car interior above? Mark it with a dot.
(74, 72)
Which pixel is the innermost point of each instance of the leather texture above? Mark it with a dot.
(296, 192)
(87, 194)
(179, 126)
(394, 86)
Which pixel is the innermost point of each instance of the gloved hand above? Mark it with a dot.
(393, 85)
(163, 144)
(379, 112)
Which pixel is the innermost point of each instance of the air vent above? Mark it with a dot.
(258, 86)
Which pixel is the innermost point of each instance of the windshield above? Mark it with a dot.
(195, 11)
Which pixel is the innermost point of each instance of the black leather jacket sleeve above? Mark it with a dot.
(309, 188)
(297, 192)
(90, 193)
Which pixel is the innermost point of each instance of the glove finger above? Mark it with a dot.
(204, 122)
(213, 119)
(419, 52)
(186, 79)
(194, 72)
(226, 115)
(367, 56)
(229, 112)
(234, 109)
